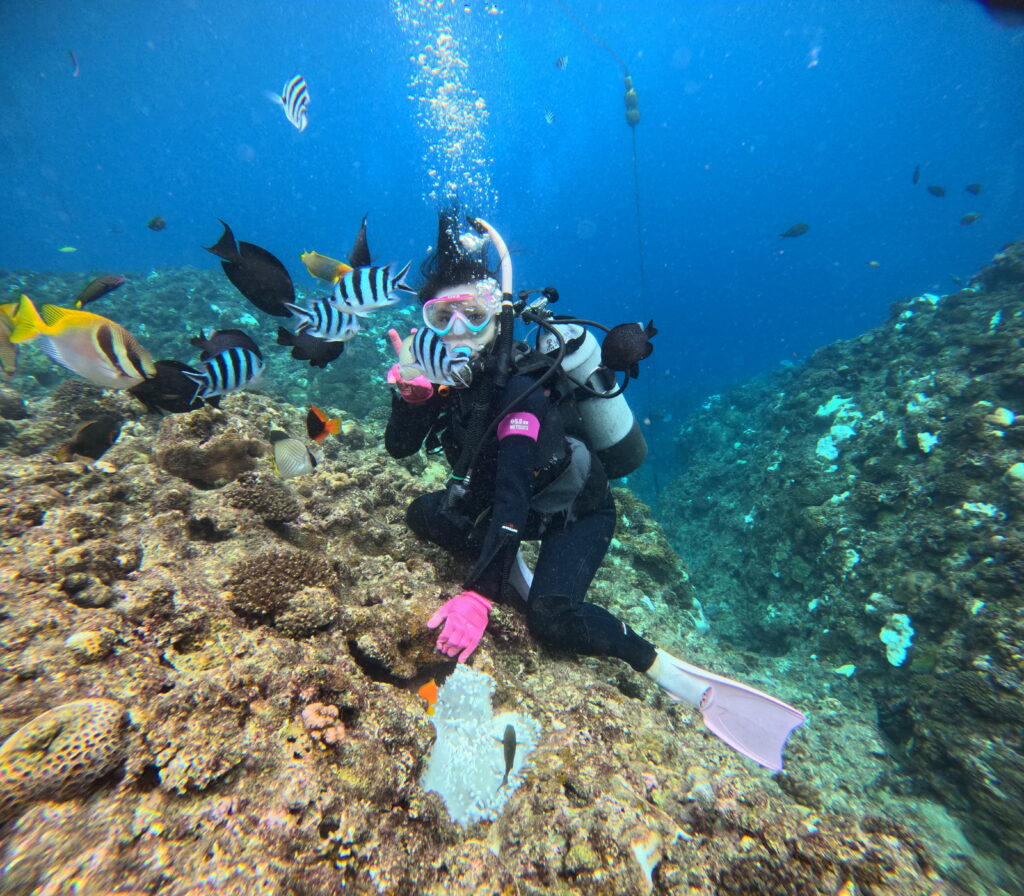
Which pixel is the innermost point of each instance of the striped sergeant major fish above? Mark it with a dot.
(431, 357)
(368, 289)
(231, 362)
(95, 348)
(325, 320)
(294, 99)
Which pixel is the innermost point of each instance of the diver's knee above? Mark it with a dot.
(551, 619)
(421, 514)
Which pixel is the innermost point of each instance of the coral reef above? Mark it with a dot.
(59, 752)
(267, 641)
(869, 499)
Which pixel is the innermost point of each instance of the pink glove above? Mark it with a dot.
(414, 391)
(465, 618)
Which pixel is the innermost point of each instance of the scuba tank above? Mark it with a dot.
(612, 429)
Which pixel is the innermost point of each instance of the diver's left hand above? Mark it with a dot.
(465, 618)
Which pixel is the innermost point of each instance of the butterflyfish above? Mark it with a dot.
(291, 456)
(294, 99)
(94, 347)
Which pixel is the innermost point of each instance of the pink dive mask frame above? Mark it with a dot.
(484, 301)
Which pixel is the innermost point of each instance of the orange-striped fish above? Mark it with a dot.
(8, 351)
(319, 426)
(324, 268)
(95, 348)
(429, 693)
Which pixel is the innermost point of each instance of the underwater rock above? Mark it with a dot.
(12, 405)
(265, 585)
(202, 448)
(60, 752)
(265, 495)
(912, 515)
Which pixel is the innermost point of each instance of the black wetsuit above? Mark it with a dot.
(496, 515)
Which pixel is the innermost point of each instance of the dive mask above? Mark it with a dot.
(467, 311)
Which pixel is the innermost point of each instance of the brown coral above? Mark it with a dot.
(59, 752)
(264, 585)
(265, 495)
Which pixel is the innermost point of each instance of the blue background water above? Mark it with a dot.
(741, 137)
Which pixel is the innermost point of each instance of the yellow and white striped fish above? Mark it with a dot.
(94, 347)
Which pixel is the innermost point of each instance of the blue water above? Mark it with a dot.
(755, 116)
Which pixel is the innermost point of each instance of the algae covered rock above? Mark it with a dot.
(281, 579)
(203, 449)
(60, 752)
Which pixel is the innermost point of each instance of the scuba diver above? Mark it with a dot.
(526, 431)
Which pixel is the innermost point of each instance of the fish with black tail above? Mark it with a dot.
(91, 439)
(359, 257)
(231, 362)
(626, 346)
(98, 288)
(172, 390)
(257, 274)
(307, 347)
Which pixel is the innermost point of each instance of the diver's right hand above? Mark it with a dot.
(465, 618)
(414, 391)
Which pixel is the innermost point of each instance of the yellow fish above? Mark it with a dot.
(95, 348)
(8, 351)
(324, 268)
(67, 249)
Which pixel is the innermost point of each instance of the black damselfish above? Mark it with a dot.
(319, 352)
(626, 346)
(256, 274)
(170, 391)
